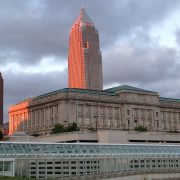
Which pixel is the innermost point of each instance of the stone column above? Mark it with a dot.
(123, 118)
(119, 121)
(30, 120)
(113, 119)
(10, 123)
(59, 113)
(145, 119)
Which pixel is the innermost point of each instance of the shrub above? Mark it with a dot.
(72, 127)
(35, 134)
(140, 128)
(59, 128)
(91, 129)
(1, 135)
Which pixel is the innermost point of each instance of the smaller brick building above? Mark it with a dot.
(1, 100)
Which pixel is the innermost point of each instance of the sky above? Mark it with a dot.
(139, 40)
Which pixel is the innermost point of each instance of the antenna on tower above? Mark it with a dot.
(82, 4)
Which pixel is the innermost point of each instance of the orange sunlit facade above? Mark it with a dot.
(84, 60)
(18, 117)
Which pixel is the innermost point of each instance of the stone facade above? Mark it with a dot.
(122, 108)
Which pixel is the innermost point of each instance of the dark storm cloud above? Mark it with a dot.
(143, 63)
(131, 64)
(22, 86)
(31, 30)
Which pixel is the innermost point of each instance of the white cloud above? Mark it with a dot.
(46, 65)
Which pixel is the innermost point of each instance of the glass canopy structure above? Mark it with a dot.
(47, 160)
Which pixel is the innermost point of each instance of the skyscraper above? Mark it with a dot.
(1, 100)
(84, 60)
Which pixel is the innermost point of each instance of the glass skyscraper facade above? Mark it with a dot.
(84, 59)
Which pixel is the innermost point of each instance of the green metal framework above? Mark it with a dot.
(68, 150)
(53, 160)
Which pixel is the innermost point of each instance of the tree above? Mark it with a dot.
(140, 128)
(72, 127)
(1, 135)
(58, 128)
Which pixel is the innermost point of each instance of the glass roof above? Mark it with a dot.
(12, 149)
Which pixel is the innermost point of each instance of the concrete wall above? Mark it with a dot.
(118, 136)
(169, 176)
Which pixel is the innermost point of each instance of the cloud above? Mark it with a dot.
(178, 36)
(40, 28)
(144, 64)
(20, 86)
(32, 31)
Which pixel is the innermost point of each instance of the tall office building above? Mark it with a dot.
(84, 61)
(1, 100)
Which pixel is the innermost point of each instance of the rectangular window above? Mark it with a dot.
(109, 122)
(1, 166)
(80, 120)
(116, 111)
(109, 110)
(174, 116)
(169, 115)
(7, 166)
(51, 110)
(136, 113)
(88, 110)
(95, 110)
(102, 111)
(149, 113)
(162, 115)
(156, 114)
(87, 121)
(115, 123)
(56, 109)
(80, 109)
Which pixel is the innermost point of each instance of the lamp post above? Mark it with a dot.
(157, 126)
(96, 122)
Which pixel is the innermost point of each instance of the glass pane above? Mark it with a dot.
(7, 166)
(1, 166)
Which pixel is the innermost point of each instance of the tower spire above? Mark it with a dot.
(84, 18)
(82, 6)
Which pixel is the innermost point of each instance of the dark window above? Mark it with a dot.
(156, 114)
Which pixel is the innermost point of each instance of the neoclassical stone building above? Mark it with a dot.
(122, 108)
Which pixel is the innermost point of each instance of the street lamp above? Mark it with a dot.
(96, 122)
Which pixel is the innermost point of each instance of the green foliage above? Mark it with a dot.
(1, 135)
(174, 131)
(59, 128)
(7, 138)
(35, 134)
(140, 128)
(71, 127)
(91, 129)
